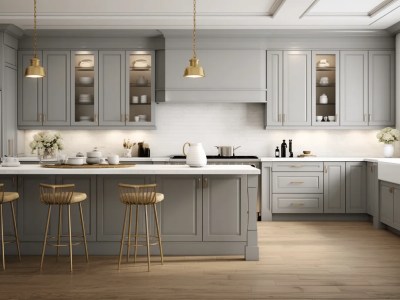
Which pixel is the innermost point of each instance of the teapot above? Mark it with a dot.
(195, 156)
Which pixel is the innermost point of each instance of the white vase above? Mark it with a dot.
(195, 156)
(388, 150)
(127, 152)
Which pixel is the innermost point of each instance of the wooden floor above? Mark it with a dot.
(298, 260)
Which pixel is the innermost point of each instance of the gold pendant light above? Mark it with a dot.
(194, 70)
(35, 70)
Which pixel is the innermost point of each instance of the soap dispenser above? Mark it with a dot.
(283, 149)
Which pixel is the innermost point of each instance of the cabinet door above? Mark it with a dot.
(10, 185)
(112, 88)
(297, 88)
(386, 206)
(110, 210)
(396, 208)
(274, 88)
(56, 88)
(334, 187)
(29, 93)
(354, 88)
(181, 211)
(83, 184)
(9, 112)
(32, 214)
(372, 188)
(381, 88)
(356, 201)
(225, 208)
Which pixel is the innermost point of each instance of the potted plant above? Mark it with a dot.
(388, 136)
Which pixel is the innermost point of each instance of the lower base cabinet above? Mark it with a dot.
(297, 203)
(334, 187)
(372, 189)
(390, 204)
(356, 194)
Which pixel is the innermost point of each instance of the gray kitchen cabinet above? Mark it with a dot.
(297, 203)
(289, 88)
(381, 102)
(334, 187)
(110, 210)
(297, 182)
(83, 184)
(44, 102)
(32, 215)
(354, 88)
(356, 198)
(112, 84)
(246, 84)
(10, 185)
(225, 208)
(390, 204)
(274, 88)
(181, 211)
(372, 189)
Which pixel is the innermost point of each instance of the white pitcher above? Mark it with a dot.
(195, 156)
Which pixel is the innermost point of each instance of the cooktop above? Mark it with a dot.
(220, 157)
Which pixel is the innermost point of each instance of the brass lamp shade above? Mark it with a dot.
(194, 70)
(35, 70)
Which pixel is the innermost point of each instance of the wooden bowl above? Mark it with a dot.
(306, 152)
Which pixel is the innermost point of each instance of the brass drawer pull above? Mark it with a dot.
(296, 182)
(297, 204)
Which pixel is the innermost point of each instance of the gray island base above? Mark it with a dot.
(206, 211)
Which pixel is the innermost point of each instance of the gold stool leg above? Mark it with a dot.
(83, 232)
(2, 236)
(45, 235)
(15, 230)
(59, 229)
(147, 238)
(122, 237)
(70, 236)
(158, 234)
(136, 231)
(128, 250)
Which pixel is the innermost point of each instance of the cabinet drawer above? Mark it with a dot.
(297, 182)
(297, 166)
(294, 203)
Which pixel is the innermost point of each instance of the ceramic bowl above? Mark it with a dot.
(306, 152)
(92, 160)
(319, 118)
(75, 160)
(84, 118)
(94, 154)
(85, 80)
(86, 63)
(331, 118)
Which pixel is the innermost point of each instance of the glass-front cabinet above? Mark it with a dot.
(325, 85)
(84, 88)
(140, 88)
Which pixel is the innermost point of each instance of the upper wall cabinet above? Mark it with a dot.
(231, 76)
(289, 88)
(45, 102)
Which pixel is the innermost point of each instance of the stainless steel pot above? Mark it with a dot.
(226, 150)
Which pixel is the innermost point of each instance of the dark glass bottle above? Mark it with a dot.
(277, 151)
(290, 149)
(141, 150)
(283, 149)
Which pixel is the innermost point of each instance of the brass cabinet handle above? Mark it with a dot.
(296, 182)
(199, 182)
(326, 169)
(300, 204)
(205, 182)
(296, 166)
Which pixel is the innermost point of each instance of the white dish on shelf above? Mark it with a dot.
(84, 118)
(86, 63)
(140, 64)
(85, 80)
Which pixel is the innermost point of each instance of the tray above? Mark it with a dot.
(86, 166)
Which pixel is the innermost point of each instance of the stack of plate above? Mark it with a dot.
(84, 118)
(84, 98)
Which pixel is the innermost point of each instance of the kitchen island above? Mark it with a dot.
(206, 211)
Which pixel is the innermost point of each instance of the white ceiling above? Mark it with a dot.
(212, 14)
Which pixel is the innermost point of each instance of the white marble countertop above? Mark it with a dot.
(35, 169)
(315, 159)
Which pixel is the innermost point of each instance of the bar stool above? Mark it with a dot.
(140, 195)
(62, 195)
(8, 197)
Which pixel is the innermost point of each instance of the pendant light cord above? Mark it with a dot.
(34, 30)
(194, 28)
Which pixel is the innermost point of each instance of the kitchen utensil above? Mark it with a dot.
(75, 160)
(140, 64)
(95, 153)
(113, 159)
(93, 160)
(86, 63)
(323, 99)
(85, 80)
(227, 150)
(195, 155)
(306, 152)
(143, 98)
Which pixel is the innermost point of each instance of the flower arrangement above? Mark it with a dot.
(127, 144)
(388, 135)
(46, 143)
